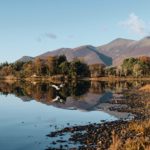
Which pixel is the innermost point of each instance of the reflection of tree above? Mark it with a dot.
(45, 93)
(97, 87)
(78, 88)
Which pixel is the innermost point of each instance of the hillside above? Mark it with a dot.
(87, 53)
(25, 59)
(112, 53)
(120, 49)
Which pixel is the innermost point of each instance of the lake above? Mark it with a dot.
(30, 111)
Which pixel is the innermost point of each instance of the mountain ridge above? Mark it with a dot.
(109, 54)
(25, 59)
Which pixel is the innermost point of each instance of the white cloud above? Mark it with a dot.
(135, 25)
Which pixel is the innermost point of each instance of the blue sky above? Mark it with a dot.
(32, 27)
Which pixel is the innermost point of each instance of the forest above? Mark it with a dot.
(59, 65)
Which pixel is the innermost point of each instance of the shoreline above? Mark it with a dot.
(117, 79)
(55, 80)
(124, 133)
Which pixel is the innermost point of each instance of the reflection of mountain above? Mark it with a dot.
(83, 96)
(78, 95)
(25, 98)
(86, 102)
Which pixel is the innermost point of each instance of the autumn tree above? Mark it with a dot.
(38, 64)
(64, 67)
(97, 70)
(127, 66)
(51, 65)
(137, 70)
(28, 69)
(110, 71)
(6, 70)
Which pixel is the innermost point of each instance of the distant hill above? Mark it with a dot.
(25, 59)
(86, 53)
(112, 53)
(120, 49)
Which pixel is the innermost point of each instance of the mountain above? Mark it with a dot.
(25, 59)
(115, 49)
(112, 53)
(86, 53)
(120, 49)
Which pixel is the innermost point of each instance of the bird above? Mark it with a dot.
(57, 87)
(56, 99)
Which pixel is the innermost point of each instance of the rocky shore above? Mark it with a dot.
(116, 135)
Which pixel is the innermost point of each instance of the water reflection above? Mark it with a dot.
(27, 124)
(82, 95)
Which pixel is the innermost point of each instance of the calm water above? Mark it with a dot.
(30, 111)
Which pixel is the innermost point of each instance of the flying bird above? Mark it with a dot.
(57, 87)
(56, 99)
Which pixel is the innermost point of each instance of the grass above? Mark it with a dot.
(116, 142)
(145, 88)
(135, 137)
(136, 134)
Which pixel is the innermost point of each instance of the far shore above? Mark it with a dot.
(57, 81)
(118, 79)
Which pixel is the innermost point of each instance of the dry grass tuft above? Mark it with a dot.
(139, 127)
(137, 137)
(145, 88)
(116, 142)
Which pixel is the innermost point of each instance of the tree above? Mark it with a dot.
(127, 66)
(6, 70)
(137, 70)
(51, 65)
(78, 68)
(60, 60)
(17, 66)
(4, 64)
(119, 71)
(38, 66)
(145, 64)
(28, 69)
(64, 67)
(97, 70)
(144, 59)
(110, 71)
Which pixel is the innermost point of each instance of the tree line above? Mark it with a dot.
(50, 66)
(58, 65)
(134, 67)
